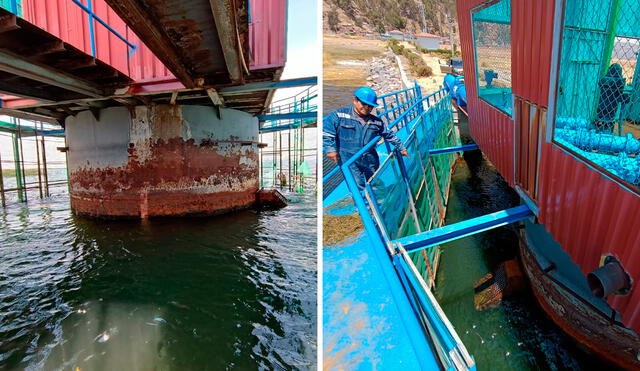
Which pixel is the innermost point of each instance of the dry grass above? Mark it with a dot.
(337, 228)
(352, 49)
(349, 49)
(11, 173)
(434, 82)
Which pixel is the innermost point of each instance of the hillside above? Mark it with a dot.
(379, 16)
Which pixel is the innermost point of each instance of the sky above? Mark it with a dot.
(303, 60)
(303, 48)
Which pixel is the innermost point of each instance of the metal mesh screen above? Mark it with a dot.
(391, 198)
(428, 176)
(492, 44)
(598, 110)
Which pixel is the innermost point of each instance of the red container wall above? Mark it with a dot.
(268, 33)
(491, 129)
(586, 212)
(67, 21)
(143, 64)
(591, 215)
(531, 45)
(61, 18)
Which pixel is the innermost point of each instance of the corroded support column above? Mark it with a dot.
(162, 160)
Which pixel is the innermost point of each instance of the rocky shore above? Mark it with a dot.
(383, 74)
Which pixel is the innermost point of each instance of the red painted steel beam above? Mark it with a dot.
(147, 29)
(224, 15)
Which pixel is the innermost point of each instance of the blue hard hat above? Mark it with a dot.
(367, 96)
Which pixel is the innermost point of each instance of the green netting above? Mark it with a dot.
(629, 27)
(391, 198)
(428, 179)
(598, 97)
(10, 4)
(413, 164)
(500, 12)
(427, 271)
(492, 45)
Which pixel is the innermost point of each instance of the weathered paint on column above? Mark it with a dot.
(162, 160)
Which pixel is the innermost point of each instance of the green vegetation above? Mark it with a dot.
(442, 53)
(417, 65)
(332, 19)
(11, 173)
(395, 47)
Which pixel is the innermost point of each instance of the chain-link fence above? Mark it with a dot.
(597, 110)
(492, 44)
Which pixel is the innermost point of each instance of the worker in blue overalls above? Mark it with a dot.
(346, 130)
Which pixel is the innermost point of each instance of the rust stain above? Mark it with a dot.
(345, 308)
(612, 342)
(177, 177)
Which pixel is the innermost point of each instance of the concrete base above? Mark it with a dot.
(163, 160)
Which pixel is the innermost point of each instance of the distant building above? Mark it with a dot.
(398, 35)
(427, 41)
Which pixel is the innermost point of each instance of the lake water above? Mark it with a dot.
(220, 293)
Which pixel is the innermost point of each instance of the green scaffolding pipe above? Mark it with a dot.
(18, 168)
(612, 30)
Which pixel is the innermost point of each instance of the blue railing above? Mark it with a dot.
(424, 320)
(297, 110)
(14, 6)
(89, 10)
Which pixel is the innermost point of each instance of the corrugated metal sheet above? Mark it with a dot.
(66, 20)
(492, 129)
(267, 34)
(143, 64)
(70, 23)
(586, 212)
(531, 44)
(591, 215)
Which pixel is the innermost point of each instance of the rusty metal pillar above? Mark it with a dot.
(148, 163)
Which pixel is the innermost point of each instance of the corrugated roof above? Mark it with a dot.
(425, 34)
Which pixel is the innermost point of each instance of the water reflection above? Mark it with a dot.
(229, 292)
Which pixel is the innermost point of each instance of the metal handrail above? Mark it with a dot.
(441, 333)
(92, 16)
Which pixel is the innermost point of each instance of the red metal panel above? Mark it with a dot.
(591, 215)
(531, 43)
(586, 212)
(143, 64)
(492, 130)
(267, 34)
(67, 21)
(109, 48)
(60, 18)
